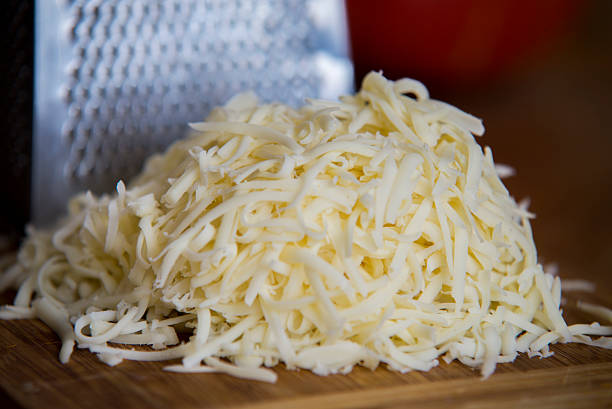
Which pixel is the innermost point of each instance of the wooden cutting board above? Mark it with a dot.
(31, 376)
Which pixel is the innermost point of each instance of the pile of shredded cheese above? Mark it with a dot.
(366, 231)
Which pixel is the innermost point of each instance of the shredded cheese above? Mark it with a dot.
(365, 231)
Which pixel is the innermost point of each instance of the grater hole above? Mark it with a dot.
(140, 70)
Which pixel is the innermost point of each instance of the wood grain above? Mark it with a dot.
(553, 125)
(577, 375)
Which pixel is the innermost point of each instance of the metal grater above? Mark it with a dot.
(118, 80)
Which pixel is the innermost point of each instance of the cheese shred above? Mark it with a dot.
(365, 231)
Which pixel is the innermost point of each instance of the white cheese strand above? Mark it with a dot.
(365, 231)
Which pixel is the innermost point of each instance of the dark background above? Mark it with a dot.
(17, 58)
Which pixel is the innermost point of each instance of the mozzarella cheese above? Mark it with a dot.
(365, 231)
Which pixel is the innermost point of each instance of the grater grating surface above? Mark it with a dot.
(117, 80)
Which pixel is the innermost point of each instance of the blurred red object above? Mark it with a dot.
(452, 42)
